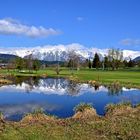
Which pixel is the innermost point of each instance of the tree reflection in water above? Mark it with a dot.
(73, 88)
(114, 90)
(51, 94)
(69, 87)
(30, 82)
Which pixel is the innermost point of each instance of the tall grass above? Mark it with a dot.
(82, 107)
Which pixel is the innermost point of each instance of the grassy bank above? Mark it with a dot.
(121, 122)
(126, 77)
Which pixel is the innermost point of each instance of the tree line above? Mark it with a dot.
(111, 61)
(24, 64)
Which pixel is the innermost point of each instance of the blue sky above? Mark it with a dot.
(99, 23)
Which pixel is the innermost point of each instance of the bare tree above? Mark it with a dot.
(29, 62)
(115, 57)
(57, 69)
(74, 60)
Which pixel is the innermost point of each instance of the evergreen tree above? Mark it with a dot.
(131, 63)
(96, 61)
(125, 63)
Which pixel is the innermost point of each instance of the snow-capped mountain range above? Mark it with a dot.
(60, 52)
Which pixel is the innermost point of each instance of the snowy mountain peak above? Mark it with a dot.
(60, 52)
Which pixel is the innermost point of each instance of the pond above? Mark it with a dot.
(58, 96)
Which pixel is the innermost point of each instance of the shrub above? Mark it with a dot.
(112, 106)
(138, 105)
(38, 111)
(1, 115)
(82, 106)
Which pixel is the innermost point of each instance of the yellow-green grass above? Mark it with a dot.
(121, 123)
(128, 77)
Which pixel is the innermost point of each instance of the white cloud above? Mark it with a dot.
(130, 42)
(13, 27)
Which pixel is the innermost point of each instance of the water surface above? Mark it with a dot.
(58, 97)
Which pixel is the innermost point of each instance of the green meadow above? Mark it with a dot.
(126, 77)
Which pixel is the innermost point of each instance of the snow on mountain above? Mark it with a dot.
(60, 52)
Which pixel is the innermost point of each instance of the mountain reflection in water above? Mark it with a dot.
(61, 85)
(57, 96)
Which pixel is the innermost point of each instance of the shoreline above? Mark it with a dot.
(74, 78)
(111, 109)
(119, 121)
